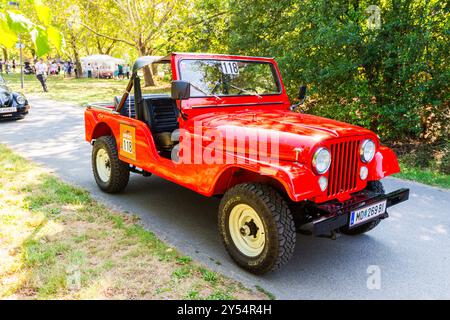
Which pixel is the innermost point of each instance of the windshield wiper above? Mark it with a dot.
(204, 92)
(246, 91)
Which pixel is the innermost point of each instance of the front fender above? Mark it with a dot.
(296, 179)
(385, 164)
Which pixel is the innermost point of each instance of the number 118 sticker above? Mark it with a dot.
(229, 67)
(127, 141)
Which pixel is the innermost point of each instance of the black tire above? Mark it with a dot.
(276, 218)
(375, 186)
(120, 172)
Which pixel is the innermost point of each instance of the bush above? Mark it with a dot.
(392, 80)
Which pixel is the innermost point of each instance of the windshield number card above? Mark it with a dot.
(128, 141)
(230, 67)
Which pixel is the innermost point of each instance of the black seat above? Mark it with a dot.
(160, 112)
(161, 115)
(128, 109)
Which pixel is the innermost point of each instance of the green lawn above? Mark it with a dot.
(77, 91)
(423, 175)
(56, 242)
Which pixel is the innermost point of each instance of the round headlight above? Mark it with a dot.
(4, 98)
(20, 98)
(321, 160)
(367, 150)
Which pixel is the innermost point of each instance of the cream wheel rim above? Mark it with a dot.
(103, 164)
(247, 230)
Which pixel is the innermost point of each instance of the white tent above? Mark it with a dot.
(102, 65)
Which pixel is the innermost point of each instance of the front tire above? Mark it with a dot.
(257, 227)
(375, 186)
(110, 173)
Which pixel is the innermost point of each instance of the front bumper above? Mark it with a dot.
(333, 215)
(20, 113)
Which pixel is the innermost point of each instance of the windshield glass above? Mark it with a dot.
(229, 77)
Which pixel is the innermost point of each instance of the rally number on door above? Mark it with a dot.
(128, 141)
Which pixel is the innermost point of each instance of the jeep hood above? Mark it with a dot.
(290, 129)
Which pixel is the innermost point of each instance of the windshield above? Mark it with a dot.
(229, 77)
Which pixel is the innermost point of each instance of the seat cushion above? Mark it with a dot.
(163, 140)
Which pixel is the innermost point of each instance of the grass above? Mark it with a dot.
(424, 162)
(58, 243)
(424, 175)
(269, 295)
(75, 91)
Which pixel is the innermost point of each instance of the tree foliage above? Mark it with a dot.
(15, 23)
(392, 79)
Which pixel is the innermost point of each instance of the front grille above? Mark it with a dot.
(344, 167)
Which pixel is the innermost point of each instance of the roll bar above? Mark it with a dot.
(140, 63)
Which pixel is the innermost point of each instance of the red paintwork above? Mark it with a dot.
(296, 178)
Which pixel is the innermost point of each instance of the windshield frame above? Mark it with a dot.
(272, 69)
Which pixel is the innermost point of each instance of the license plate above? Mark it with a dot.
(8, 110)
(367, 213)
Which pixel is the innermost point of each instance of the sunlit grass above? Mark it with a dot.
(424, 175)
(54, 235)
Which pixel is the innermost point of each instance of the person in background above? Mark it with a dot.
(120, 73)
(14, 65)
(89, 70)
(41, 70)
(1, 66)
(126, 70)
(7, 67)
(54, 68)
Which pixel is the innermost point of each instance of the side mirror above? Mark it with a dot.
(181, 90)
(302, 93)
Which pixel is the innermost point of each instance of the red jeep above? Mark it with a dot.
(228, 130)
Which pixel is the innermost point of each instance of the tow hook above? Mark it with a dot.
(333, 235)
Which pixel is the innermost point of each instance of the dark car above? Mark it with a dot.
(13, 105)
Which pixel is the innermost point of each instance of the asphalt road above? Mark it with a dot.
(410, 250)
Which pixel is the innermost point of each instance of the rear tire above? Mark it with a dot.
(110, 173)
(375, 186)
(257, 227)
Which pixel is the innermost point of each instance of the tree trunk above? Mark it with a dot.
(148, 76)
(5, 53)
(73, 44)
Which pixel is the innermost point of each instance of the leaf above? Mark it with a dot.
(8, 38)
(17, 22)
(55, 37)
(43, 12)
(40, 40)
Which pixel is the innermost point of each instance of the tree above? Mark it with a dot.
(14, 22)
(391, 78)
